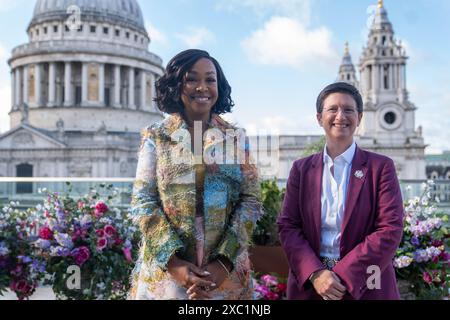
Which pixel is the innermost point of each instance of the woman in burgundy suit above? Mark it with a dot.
(342, 216)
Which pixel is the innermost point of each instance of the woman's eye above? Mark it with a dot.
(211, 80)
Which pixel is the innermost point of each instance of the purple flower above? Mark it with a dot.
(415, 241)
(269, 280)
(38, 266)
(59, 252)
(43, 244)
(64, 240)
(24, 259)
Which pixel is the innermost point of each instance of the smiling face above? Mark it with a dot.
(339, 118)
(200, 90)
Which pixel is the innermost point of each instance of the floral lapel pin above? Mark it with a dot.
(359, 174)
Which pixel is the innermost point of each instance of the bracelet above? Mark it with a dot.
(223, 265)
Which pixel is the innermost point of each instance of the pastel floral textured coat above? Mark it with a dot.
(164, 206)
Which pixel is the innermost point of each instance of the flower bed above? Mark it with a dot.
(85, 248)
(423, 258)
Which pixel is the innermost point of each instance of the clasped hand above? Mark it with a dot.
(328, 285)
(197, 281)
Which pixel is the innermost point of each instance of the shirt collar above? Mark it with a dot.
(348, 154)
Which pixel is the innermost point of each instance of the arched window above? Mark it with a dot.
(24, 171)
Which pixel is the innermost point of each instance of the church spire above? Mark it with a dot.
(381, 21)
(347, 71)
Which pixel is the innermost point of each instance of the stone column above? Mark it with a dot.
(68, 100)
(25, 84)
(131, 104)
(117, 86)
(37, 84)
(391, 77)
(101, 84)
(404, 77)
(84, 83)
(13, 89)
(143, 90)
(152, 106)
(52, 84)
(18, 87)
(368, 75)
(401, 80)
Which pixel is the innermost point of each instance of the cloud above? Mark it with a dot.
(156, 35)
(6, 5)
(298, 9)
(433, 109)
(196, 37)
(286, 42)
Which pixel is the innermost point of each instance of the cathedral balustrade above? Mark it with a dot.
(86, 47)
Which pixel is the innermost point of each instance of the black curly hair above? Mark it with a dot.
(169, 86)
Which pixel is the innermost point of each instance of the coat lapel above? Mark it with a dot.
(315, 192)
(356, 181)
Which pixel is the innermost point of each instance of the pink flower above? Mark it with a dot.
(262, 289)
(22, 288)
(81, 205)
(100, 233)
(272, 296)
(81, 255)
(445, 256)
(127, 254)
(100, 209)
(118, 241)
(110, 231)
(427, 277)
(281, 288)
(45, 233)
(435, 259)
(269, 280)
(437, 243)
(101, 244)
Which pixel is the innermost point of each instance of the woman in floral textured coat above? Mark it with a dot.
(196, 194)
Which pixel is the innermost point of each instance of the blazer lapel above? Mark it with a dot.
(314, 191)
(356, 182)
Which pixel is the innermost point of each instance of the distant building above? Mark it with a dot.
(388, 126)
(438, 166)
(82, 89)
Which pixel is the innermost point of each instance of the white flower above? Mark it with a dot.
(3, 250)
(85, 220)
(39, 207)
(64, 240)
(402, 262)
(105, 220)
(101, 286)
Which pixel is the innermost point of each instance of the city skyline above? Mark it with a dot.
(278, 55)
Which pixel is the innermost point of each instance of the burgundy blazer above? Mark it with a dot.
(371, 230)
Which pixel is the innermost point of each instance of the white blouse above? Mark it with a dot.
(334, 193)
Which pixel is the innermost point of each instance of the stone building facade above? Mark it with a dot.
(82, 90)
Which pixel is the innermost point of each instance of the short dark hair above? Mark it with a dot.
(169, 86)
(340, 87)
